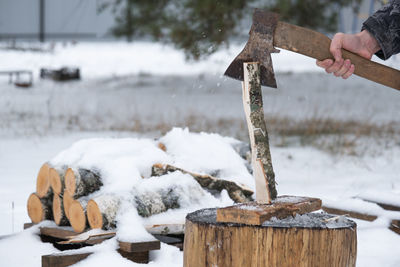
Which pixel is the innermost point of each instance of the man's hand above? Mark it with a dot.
(363, 44)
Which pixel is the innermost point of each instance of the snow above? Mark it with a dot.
(307, 171)
(145, 88)
(125, 165)
(311, 220)
(207, 153)
(103, 59)
(27, 242)
(375, 196)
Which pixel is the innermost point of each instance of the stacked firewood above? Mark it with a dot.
(70, 196)
(61, 195)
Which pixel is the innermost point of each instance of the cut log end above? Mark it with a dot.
(94, 216)
(43, 181)
(55, 181)
(37, 211)
(67, 201)
(162, 147)
(70, 181)
(77, 217)
(58, 211)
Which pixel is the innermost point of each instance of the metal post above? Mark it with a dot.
(41, 21)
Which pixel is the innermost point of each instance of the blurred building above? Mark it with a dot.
(79, 19)
(53, 19)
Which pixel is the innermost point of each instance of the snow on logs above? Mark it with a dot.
(237, 192)
(81, 182)
(102, 210)
(60, 192)
(71, 194)
(66, 201)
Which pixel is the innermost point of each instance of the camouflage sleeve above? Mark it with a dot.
(384, 25)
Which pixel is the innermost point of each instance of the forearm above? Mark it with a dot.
(384, 26)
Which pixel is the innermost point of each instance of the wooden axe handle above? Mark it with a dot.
(316, 45)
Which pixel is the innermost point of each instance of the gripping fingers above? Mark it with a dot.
(349, 72)
(344, 69)
(325, 63)
(336, 66)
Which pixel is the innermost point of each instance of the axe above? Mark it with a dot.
(267, 32)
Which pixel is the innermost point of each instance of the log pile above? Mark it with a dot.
(61, 195)
(70, 196)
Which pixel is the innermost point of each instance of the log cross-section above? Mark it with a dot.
(77, 214)
(43, 189)
(56, 176)
(261, 157)
(39, 209)
(58, 211)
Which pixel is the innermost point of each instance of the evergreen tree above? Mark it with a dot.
(200, 27)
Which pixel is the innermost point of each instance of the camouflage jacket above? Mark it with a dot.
(384, 25)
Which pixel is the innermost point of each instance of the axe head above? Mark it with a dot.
(258, 48)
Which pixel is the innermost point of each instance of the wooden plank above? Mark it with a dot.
(255, 214)
(138, 257)
(28, 225)
(395, 226)
(388, 201)
(168, 239)
(57, 232)
(388, 207)
(383, 205)
(352, 214)
(62, 260)
(139, 246)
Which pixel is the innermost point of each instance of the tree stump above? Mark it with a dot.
(312, 239)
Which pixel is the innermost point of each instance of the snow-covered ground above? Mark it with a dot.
(141, 90)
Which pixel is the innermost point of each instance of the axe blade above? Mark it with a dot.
(258, 49)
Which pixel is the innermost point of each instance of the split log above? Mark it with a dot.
(58, 211)
(315, 240)
(166, 229)
(57, 175)
(39, 209)
(102, 210)
(77, 214)
(67, 202)
(350, 213)
(261, 157)
(43, 189)
(238, 193)
(255, 213)
(81, 182)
